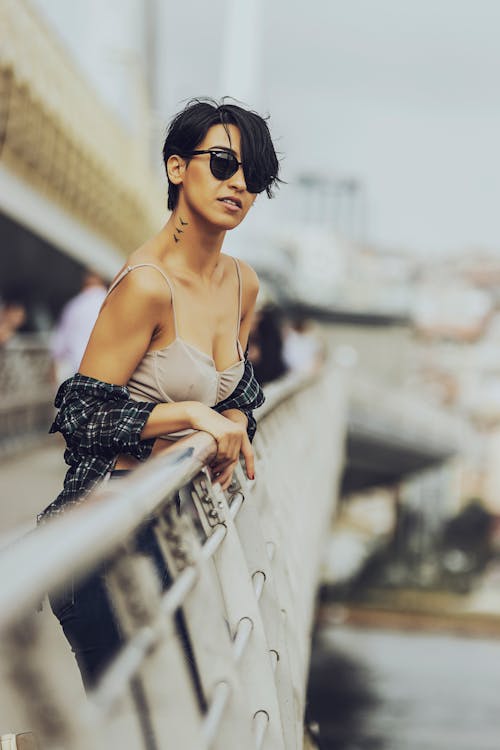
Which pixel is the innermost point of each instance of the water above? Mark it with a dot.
(384, 690)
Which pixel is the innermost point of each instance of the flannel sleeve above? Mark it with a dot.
(247, 396)
(100, 419)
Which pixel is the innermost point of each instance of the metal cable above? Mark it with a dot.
(130, 658)
(260, 724)
(215, 712)
(243, 630)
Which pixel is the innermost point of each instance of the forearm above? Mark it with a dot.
(171, 417)
(99, 418)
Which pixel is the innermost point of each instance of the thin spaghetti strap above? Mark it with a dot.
(238, 271)
(120, 276)
(152, 265)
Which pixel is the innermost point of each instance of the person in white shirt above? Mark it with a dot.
(72, 332)
(302, 351)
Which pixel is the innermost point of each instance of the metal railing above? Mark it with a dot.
(26, 392)
(244, 567)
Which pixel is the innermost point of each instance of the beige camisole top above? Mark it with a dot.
(181, 371)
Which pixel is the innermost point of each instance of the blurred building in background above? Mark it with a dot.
(76, 184)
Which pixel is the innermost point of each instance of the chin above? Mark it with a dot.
(227, 223)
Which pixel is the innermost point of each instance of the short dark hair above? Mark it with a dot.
(189, 127)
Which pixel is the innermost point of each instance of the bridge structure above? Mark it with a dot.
(244, 565)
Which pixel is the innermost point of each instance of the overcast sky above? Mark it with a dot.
(401, 94)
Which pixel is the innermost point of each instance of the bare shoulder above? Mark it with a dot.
(250, 287)
(145, 284)
(249, 277)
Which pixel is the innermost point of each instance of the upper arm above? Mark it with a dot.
(125, 326)
(250, 289)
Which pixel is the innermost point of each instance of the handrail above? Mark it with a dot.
(103, 521)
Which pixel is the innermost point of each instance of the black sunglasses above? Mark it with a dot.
(223, 164)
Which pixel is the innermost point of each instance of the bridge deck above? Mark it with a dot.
(28, 482)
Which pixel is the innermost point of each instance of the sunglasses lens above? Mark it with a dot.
(223, 164)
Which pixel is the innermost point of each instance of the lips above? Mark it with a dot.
(229, 200)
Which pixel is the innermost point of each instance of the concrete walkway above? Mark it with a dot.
(29, 482)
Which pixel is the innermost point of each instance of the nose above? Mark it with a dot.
(237, 181)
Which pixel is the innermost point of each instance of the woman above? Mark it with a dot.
(165, 356)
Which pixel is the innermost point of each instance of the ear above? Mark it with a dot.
(176, 166)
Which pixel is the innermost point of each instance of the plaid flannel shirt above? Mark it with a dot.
(99, 421)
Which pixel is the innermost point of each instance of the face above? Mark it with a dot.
(222, 203)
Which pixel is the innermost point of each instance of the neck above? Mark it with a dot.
(193, 243)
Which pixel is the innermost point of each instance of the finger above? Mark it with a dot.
(246, 449)
(226, 484)
(219, 465)
(218, 469)
(221, 476)
(226, 476)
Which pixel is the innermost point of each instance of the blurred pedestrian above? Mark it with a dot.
(12, 318)
(72, 332)
(302, 351)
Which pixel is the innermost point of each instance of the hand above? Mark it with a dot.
(222, 471)
(224, 477)
(232, 439)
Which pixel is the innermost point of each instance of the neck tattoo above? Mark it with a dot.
(179, 231)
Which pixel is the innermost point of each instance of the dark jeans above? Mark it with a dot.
(86, 617)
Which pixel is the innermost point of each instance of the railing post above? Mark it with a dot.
(257, 554)
(203, 609)
(163, 688)
(255, 667)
